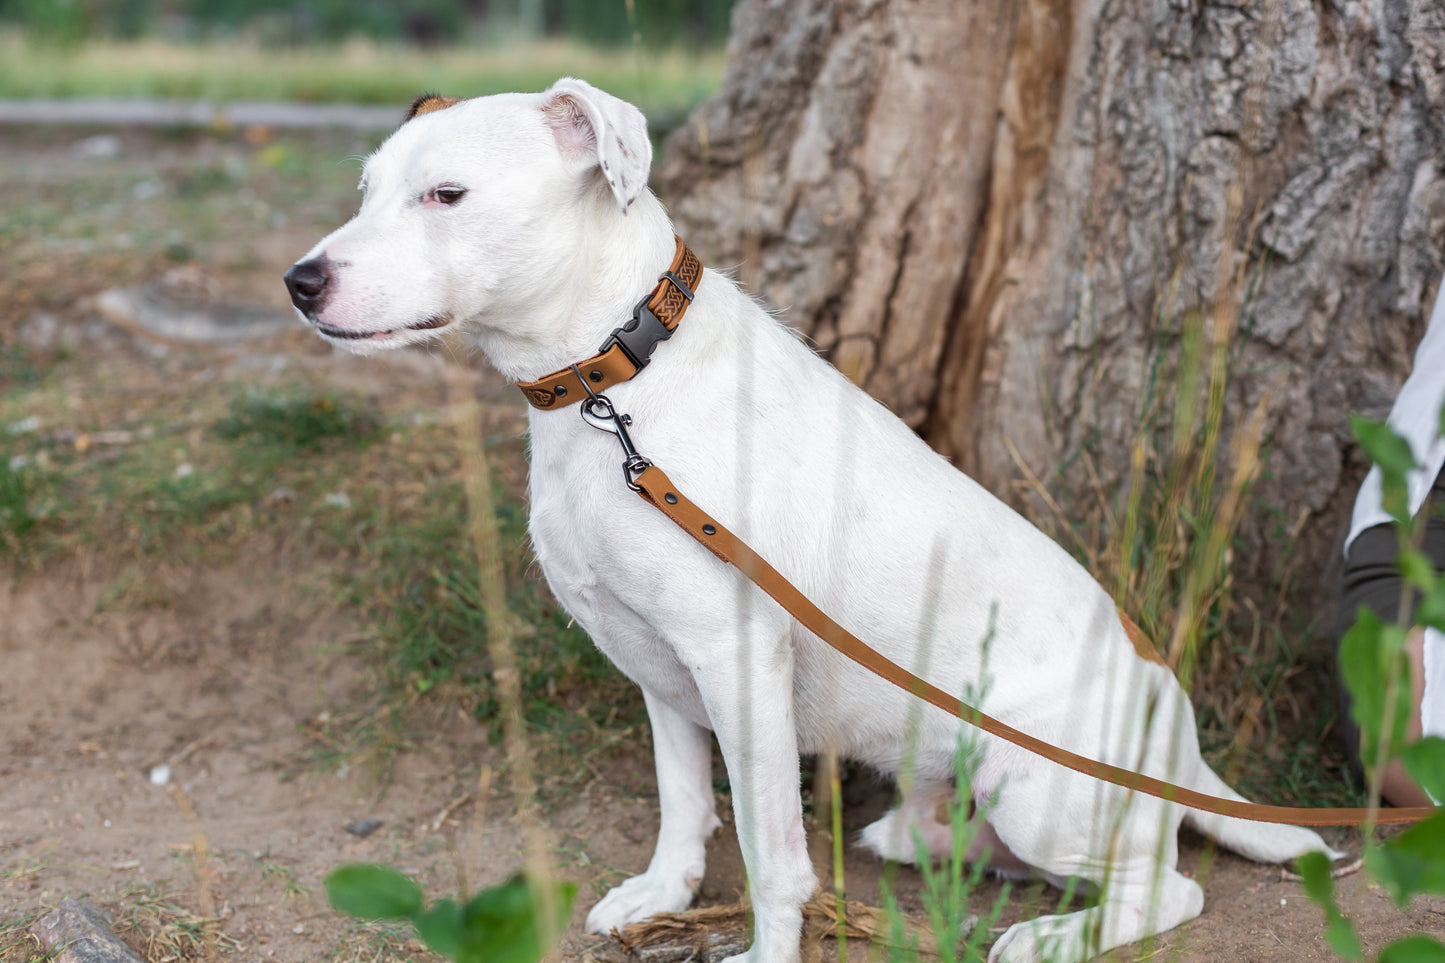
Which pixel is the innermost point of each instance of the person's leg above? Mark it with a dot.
(1371, 579)
(1395, 783)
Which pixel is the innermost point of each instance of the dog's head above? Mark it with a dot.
(469, 211)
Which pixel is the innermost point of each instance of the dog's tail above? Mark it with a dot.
(1262, 842)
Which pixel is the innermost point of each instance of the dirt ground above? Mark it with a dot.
(229, 671)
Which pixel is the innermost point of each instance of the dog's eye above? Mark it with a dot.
(449, 195)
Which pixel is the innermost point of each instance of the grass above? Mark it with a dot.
(145, 918)
(664, 83)
(379, 942)
(272, 874)
(163, 929)
(336, 476)
(178, 486)
(18, 945)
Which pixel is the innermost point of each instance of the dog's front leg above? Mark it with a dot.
(748, 692)
(682, 751)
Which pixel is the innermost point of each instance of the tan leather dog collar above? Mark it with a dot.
(628, 349)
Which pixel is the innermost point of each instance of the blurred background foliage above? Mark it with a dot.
(662, 55)
(693, 23)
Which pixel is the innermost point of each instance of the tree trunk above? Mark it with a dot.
(1003, 218)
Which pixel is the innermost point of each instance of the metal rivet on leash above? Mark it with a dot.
(595, 375)
(560, 391)
(709, 529)
(670, 498)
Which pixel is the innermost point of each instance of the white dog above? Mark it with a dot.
(525, 220)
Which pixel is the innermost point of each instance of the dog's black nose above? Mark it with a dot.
(307, 281)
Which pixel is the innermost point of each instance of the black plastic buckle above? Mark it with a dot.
(639, 337)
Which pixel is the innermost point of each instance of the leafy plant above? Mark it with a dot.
(515, 922)
(1377, 673)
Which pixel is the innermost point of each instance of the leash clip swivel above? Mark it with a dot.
(598, 411)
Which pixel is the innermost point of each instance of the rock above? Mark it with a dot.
(181, 307)
(80, 933)
(160, 775)
(100, 146)
(41, 332)
(363, 827)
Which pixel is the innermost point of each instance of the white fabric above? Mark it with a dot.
(1432, 706)
(1416, 417)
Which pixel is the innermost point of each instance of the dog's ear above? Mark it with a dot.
(597, 129)
(429, 102)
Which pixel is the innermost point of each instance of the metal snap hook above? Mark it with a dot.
(599, 412)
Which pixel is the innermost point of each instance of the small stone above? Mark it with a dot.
(101, 146)
(363, 827)
(280, 498)
(41, 332)
(185, 470)
(160, 775)
(148, 190)
(80, 933)
(338, 500)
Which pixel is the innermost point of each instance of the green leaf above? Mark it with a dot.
(1425, 762)
(1392, 453)
(1412, 862)
(1372, 659)
(1314, 869)
(1418, 570)
(500, 925)
(1431, 610)
(442, 928)
(1413, 949)
(1340, 934)
(373, 892)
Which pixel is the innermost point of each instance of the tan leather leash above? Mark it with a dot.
(653, 485)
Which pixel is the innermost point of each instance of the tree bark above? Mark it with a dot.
(1002, 217)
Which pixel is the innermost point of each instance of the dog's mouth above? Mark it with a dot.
(344, 334)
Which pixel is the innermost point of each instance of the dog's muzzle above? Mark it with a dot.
(309, 283)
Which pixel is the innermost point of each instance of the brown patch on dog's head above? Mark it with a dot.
(429, 102)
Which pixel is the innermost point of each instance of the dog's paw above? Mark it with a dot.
(889, 839)
(1049, 938)
(894, 838)
(637, 899)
